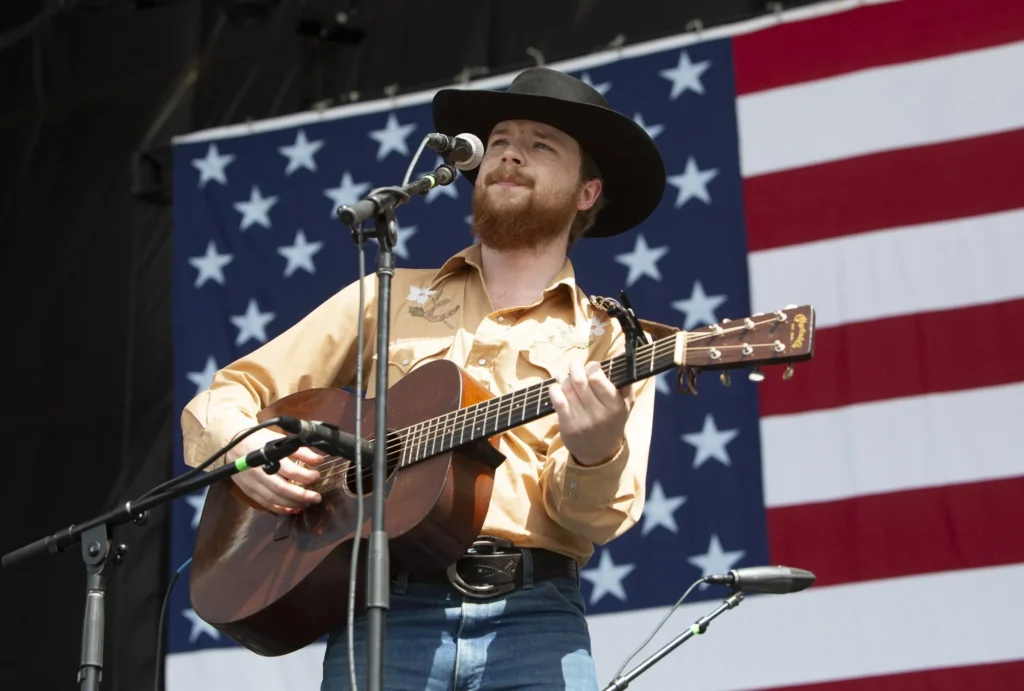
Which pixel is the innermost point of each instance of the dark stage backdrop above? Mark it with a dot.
(90, 94)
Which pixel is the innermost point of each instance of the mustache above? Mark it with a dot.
(508, 173)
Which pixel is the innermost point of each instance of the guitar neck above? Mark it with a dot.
(496, 415)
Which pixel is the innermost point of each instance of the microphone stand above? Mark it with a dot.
(380, 205)
(700, 626)
(94, 536)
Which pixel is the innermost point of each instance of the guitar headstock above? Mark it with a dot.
(771, 338)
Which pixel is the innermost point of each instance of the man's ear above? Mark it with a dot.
(589, 194)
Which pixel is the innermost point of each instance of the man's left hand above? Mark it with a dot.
(592, 413)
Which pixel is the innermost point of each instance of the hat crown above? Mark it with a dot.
(543, 81)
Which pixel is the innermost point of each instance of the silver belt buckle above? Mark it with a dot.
(483, 545)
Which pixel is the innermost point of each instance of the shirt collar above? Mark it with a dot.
(564, 280)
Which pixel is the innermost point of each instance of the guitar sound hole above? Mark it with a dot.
(394, 455)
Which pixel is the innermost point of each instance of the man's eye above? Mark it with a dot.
(542, 144)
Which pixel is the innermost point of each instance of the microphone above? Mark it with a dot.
(764, 579)
(327, 438)
(464, 151)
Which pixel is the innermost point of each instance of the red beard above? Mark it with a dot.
(514, 219)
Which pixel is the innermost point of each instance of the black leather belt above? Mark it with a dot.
(494, 566)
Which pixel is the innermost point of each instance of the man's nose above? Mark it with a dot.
(511, 154)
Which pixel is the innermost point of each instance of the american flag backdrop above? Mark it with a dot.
(866, 158)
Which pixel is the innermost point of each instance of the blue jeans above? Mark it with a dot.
(532, 639)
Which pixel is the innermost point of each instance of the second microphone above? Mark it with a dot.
(327, 438)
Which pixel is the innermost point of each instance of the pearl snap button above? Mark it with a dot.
(405, 361)
(483, 361)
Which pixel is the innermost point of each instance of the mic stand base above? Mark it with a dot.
(698, 627)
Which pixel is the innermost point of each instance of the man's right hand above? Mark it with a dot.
(275, 492)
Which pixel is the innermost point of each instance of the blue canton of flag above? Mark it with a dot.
(258, 245)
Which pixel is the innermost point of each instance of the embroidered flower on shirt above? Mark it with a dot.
(436, 300)
(419, 295)
(597, 326)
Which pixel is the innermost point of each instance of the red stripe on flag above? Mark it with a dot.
(885, 190)
(901, 533)
(869, 37)
(911, 355)
(998, 675)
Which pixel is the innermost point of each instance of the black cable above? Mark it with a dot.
(205, 464)
(658, 627)
(158, 675)
(354, 567)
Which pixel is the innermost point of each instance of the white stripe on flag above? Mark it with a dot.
(888, 273)
(893, 445)
(893, 107)
(825, 634)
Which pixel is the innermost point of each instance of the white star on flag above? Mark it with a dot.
(252, 324)
(392, 137)
(607, 577)
(710, 442)
(204, 378)
(211, 265)
(642, 261)
(256, 210)
(685, 75)
(700, 307)
(213, 166)
(196, 501)
(659, 510)
(661, 384)
(652, 130)
(601, 88)
(404, 235)
(301, 153)
(692, 183)
(300, 254)
(716, 560)
(199, 627)
(347, 193)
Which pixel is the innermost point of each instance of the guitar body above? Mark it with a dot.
(276, 583)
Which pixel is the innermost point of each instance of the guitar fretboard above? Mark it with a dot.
(496, 415)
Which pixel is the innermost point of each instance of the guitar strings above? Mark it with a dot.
(338, 465)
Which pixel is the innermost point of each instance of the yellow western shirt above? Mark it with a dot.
(541, 497)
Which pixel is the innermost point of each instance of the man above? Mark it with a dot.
(559, 164)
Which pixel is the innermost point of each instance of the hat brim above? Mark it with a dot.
(630, 163)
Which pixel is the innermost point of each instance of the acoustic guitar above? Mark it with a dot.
(276, 583)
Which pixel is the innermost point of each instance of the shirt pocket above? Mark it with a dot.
(545, 360)
(405, 356)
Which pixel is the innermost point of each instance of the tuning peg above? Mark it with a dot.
(756, 375)
(724, 377)
(788, 374)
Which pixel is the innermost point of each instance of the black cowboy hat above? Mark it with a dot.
(630, 163)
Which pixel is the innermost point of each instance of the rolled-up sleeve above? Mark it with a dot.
(318, 351)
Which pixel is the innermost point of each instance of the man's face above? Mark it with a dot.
(528, 189)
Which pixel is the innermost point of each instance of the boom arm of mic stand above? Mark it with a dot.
(387, 198)
(698, 627)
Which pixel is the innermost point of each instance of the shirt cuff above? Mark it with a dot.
(594, 485)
